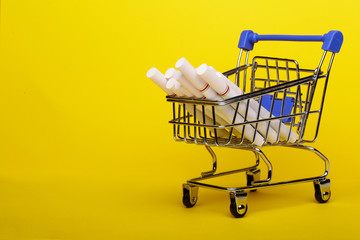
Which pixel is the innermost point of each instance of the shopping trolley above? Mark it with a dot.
(271, 81)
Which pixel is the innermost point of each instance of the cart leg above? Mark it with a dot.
(190, 195)
(238, 204)
(214, 159)
(319, 154)
(322, 190)
(261, 154)
(252, 176)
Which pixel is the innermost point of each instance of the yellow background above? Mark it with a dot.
(85, 148)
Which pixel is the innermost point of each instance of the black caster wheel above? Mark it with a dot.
(189, 195)
(322, 190)
(238, 211)
(251, 176)
(238, 205)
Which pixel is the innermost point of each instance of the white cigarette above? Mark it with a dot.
(186, 92)
(175, 87)
(232, 85)
(159, 79)
(190, 74)
(264, 113)
(186, 84)
(226, 112)
(171, 74)
(208, 74)
(223, 89)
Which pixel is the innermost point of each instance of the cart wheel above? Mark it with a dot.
(322, 190)
(238, 205)
(189, 195)
(251, 176)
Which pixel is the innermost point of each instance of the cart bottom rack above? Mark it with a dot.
(238, 194)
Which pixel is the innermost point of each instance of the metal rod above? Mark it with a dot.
(214, 166)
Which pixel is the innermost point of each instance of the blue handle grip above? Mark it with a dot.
(332, 40)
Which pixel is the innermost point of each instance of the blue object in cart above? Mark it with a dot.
(288, 106)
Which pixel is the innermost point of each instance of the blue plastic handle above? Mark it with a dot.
(332, 40)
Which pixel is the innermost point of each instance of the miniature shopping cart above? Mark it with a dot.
(293, 96)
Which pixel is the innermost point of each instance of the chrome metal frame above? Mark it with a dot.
(260, 183)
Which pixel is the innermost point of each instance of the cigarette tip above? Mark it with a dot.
(173, 84)
(180, 62)
(170, 73)
(152, 71)
(202, 69)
